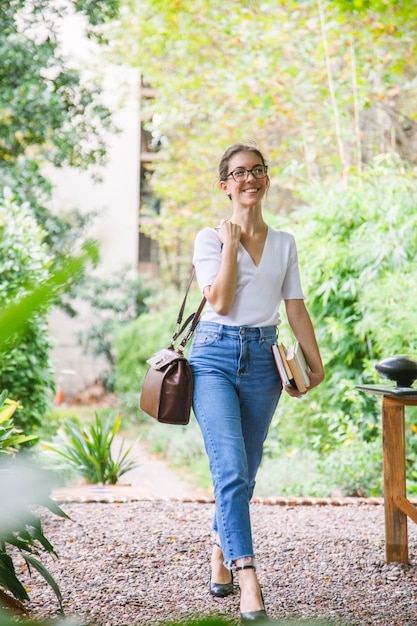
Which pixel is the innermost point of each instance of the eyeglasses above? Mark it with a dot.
(240, 174)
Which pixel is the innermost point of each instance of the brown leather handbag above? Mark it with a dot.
(167, 389)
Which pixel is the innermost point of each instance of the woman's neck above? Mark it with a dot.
(250, 223)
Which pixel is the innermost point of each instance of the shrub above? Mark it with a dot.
(89, 453)
(22, 484)
(25, 368)
(115, 300)
(21, 532)
(353, 469)
(357, 250)
(10, 436)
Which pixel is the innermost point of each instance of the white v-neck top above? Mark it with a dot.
(260, 288)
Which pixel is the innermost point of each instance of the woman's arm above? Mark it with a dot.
(300, 322)
(221, 293)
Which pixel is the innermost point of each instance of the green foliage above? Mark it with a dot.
(352, 242)
(17, 315)
(45, 105)
(21, 534)
(292, 472)
(353, 469)
(48, 113)
(115, 300)
(10, 437)
(58, 415)
(24, 262)
(402, 9)
(98, 11)
(23, 485)
(266, 71)
(25, 368)
(88, 451)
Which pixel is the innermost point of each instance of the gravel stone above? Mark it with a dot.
(147, 562)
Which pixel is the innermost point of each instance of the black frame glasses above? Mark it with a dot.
(241, 175)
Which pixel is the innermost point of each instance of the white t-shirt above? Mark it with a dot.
(260, 288)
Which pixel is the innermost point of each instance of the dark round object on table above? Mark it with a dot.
(400, 368)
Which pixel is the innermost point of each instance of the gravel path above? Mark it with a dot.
(147, 562)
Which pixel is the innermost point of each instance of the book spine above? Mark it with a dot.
(283, 353)
(297, 373)
(302, 363)
(280, 365)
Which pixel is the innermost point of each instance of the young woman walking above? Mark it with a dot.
(245, 269)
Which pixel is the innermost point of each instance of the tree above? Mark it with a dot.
(48, 114)
(321, 88)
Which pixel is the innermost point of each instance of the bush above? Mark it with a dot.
(10, 436)
(115, 300)
(358, 259)
(21, 532)
(89, 453)
(25, 369)
(23, 485)
(289, 473)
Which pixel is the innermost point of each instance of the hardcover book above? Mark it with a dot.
(293, 366)
(282, 365)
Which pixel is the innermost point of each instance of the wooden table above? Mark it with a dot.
(396, 505)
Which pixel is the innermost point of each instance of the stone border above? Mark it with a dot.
(121, 494)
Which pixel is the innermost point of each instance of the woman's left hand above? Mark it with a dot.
(294, 393)
(315, 379)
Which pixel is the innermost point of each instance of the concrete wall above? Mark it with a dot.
(115, 198)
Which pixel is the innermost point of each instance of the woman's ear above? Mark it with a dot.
(225, 188)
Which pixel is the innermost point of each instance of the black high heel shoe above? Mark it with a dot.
(221, 590)
(253, 616)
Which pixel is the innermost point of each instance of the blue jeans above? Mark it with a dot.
(236, 392)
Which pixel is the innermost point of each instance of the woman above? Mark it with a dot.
(245, 269)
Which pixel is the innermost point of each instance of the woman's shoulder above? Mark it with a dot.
(208, 229)
(281, 236)
(206, 236)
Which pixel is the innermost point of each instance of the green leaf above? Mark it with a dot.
(8, 578)
(32, 561)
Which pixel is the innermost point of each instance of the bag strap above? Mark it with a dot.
(191, 321)
(193, 326)
(182, 308)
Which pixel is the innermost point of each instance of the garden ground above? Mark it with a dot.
(147, 562)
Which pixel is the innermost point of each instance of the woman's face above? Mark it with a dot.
(247, 188)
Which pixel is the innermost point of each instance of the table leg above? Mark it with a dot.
(393, 445)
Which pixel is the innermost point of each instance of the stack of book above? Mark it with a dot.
(292, 366)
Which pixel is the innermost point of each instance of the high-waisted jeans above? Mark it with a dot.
(236, 392)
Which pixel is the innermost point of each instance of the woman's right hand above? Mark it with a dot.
(229, 232)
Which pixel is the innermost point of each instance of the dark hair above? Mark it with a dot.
(231, 151)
